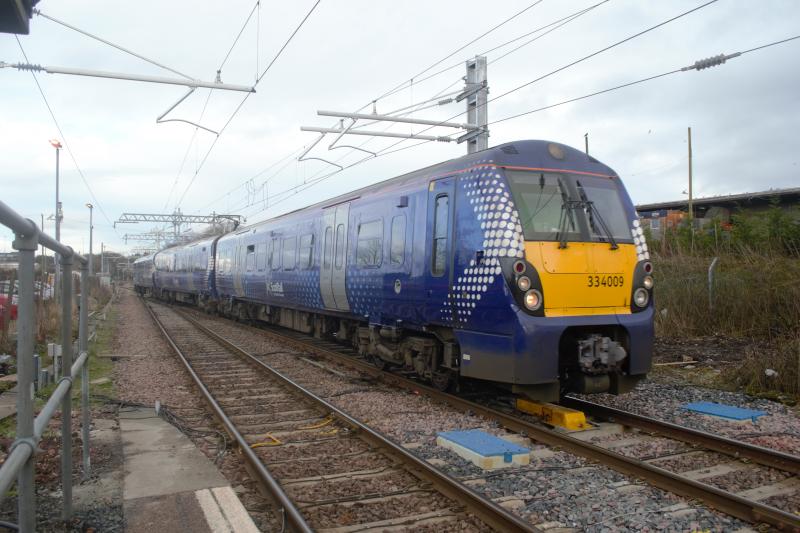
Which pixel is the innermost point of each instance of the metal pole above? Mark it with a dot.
(477, 110)
(711, 268)
(26, 502)
(691, 210)
(586, 140)
(91, 232)
(66, 369)
(83, 346)
(57, 216)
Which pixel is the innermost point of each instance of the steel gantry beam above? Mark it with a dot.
(476, 135)
(175, 218)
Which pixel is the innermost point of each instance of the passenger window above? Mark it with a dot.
(327, 246)
(306, 250)
(274, 254)
(397, 250)
(339, 246)
(440, 234)
(261, 256)
(250, 260)
(369, 250)
(289, 252)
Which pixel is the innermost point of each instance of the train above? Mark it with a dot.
(524, 265)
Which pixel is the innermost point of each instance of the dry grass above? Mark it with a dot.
(755, 296)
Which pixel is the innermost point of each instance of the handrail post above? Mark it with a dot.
(66, 372)
(83, 346)
(26, 502)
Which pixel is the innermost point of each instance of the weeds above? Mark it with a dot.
(755, 293)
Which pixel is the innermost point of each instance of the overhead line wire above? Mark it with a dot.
(236, 40)
(448, 56)
(571, 64)
(635, 82)
(64, 137)
(113, 45)
(387, 151)
(269, 66)
(559, 23)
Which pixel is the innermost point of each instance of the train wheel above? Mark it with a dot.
(378, 362)
(442, 380)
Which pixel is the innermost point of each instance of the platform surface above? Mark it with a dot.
(724, 411)
(482, 443)
(169, 485)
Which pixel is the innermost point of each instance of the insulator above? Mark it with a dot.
(710, 62)
(29, 66)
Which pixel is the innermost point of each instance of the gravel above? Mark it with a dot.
(558, 488)
(779, 429)
(160, 376)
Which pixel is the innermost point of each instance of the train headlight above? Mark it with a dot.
(533, 300)
(641, 297)
(519, 267)
(648, 282)
(524, 283)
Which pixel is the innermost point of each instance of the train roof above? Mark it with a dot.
(531, 154)
(193, 244)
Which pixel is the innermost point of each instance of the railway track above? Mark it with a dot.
(736, 505)
(325, 470)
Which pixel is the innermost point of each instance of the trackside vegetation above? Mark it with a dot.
(754, 294)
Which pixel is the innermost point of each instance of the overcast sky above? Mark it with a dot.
(743, 114)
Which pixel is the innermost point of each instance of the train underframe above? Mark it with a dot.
(591, 360)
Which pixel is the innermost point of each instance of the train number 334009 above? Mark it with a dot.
(605, 281)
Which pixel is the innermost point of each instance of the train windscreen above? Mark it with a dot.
(568, 207)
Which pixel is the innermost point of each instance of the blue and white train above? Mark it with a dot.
(524, 265)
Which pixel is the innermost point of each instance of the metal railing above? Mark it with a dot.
(19, 463)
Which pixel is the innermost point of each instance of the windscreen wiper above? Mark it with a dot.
(567, 206)
(594, 212)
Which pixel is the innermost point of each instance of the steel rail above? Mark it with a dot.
(764, 456)
(291, 514)
(724, 501)
(487, 510)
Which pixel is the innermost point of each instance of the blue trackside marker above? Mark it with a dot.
(724, 411)
(484, 444)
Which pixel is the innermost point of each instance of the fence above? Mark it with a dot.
(19, 464)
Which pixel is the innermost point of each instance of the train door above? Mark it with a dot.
(439, 248)
(334, 257)
(238, 268)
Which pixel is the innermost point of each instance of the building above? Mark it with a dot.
(9, 261)
(661, 216)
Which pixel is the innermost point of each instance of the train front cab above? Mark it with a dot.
(580, 290)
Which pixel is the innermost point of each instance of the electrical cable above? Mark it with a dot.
(572, 64)
(635, 82)
(559, 22)
(386, 151)
(451, 54)
(264, 73)
(66, 144)
(236, 40)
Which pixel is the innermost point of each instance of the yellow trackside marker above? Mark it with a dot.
(554, 414)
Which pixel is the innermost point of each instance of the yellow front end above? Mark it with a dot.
(584, 278)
